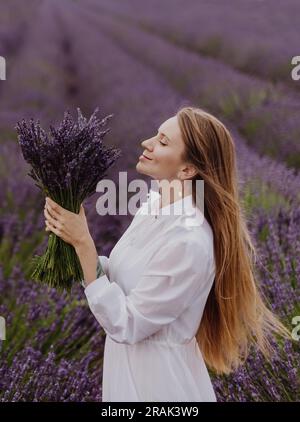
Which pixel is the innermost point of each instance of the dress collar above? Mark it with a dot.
(183, 206)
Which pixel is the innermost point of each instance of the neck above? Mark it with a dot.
(167, 197)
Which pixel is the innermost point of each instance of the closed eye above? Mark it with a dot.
(162, 142)
(162, 137)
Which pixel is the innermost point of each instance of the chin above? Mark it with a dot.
(138, 168)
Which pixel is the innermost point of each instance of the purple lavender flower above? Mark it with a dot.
(67, 164)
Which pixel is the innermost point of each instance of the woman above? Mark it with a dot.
(174, 299)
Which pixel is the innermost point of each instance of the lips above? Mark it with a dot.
(146, 157)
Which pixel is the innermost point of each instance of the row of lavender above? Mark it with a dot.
(210, 47)
(253, 36)
(54, 347)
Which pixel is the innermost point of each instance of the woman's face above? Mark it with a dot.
(163, 152)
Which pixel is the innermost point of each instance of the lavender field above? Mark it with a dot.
(141, 61)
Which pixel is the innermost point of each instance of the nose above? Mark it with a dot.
(147, 143)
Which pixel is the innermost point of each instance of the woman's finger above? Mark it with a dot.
(53, 212)
(48, 215)
(56, 231)
(54, 206)
(47, 212)
(82, 210)
(56, 223)
(53, 229)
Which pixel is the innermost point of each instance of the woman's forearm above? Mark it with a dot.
(88, 257)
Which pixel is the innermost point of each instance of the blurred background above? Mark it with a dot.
(141, 61)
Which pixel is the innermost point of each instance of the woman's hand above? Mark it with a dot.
(69, 226)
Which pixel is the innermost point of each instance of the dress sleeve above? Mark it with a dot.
(168, 286)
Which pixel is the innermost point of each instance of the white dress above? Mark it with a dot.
(150, 303)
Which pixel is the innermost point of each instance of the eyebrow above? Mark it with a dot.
(163, 134)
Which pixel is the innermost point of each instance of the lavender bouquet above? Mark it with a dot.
(67, 163)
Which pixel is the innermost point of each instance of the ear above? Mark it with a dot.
(188, 172)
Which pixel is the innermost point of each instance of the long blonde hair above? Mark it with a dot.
(235, 315)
